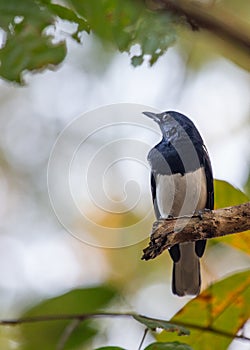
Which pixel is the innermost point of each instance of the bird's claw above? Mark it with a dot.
(200, 212)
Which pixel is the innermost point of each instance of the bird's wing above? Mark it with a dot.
(200, 245)
(209, 177)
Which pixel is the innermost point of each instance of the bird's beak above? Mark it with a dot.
(153, 116)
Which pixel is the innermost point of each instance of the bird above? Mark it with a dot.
(181, 185)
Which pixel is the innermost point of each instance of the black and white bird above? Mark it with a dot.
(181, 184)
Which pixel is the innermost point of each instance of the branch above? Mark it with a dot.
(45, 318)
(216, 20)
(208, 224)
(82, 317)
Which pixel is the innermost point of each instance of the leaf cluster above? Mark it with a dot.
(30, 43)
(211, 320)
(26, 44)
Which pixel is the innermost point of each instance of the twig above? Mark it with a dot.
(61, 317)
(143, 338)
(81, 317)
(210, 224)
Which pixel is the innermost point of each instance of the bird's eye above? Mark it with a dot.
(165, 117)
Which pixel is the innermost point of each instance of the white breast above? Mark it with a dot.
(179, 195)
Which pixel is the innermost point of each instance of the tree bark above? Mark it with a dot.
(206, 224)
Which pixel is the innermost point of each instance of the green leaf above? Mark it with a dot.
(110, 348)
(137, 60)
(76, 301)
(153, 323)
(26, 46)
(126, 23)
(109, 19)
(227, 195)
(224, 306)
(47, 334)
(29, 51)
(30, 10)
(69, 15)
(168, 346)
(155, 33)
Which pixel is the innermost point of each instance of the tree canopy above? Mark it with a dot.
(31, 43)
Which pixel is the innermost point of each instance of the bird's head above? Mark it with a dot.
(174, 125)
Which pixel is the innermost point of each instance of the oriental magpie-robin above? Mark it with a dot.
(181, 184)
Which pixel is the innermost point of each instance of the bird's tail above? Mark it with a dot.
(186, 272)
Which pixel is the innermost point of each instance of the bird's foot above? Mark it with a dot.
(170, 216)
(200, 212)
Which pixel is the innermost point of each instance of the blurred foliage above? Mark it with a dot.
(223, 306)
(155, 346)
(110, 348)
(25, 44)
(30, 43)
(153, 324)
(126, 23)
(241, 7)
(168, 346)
(203, 47)
(117, 220)
(227, 195)
(48, 334)
(247, 184)
(68, 15)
